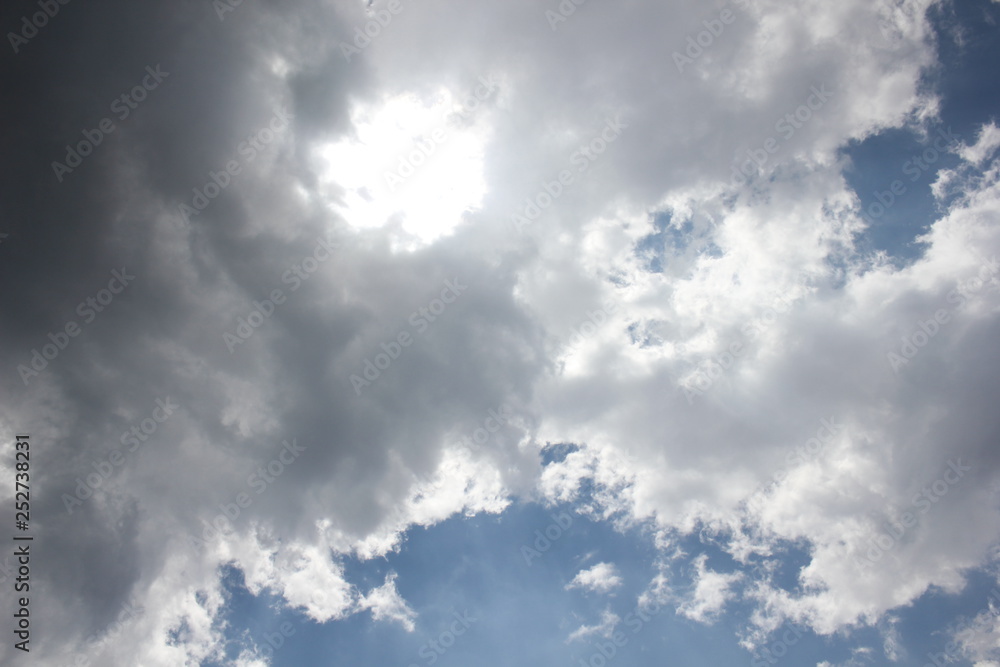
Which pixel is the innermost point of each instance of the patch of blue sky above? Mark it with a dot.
(507, 575)
(672, 240)
(968, 83)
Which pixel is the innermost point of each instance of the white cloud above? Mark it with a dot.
(986, 143)
(609, 621)
(385, 602)
(305, 575)
(711, 592)
(977, 637)
(700, 466)
(600, 578)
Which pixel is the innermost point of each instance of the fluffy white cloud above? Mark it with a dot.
(385, 602)
(712, 463)
(600, 578)
(711, 592)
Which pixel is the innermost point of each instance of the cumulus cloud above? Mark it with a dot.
(711, 592)
(604, 322)
(601, 578)
(385, 602)
(849, 323)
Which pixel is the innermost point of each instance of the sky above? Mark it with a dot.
(411, 333)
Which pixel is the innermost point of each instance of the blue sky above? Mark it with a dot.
(966, 82)
(523, 613)
(504, 334)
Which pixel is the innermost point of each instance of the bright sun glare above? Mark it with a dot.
(418, 163)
